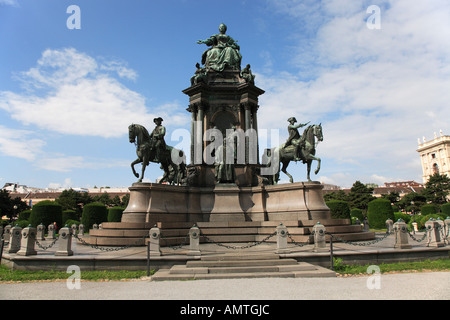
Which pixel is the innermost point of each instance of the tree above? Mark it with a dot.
(393, 197)
(437, 188)
(360, 195)
(11, 207)
(73, 200)
(412, 202)
(336, 195)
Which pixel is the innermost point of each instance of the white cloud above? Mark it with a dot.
(19, 143)
(71, 93)
(375, 91)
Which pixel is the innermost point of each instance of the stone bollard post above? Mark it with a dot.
(366, 225)
(81, 230)
(95, 226)
(389, 226)
(414, 224)
(319, 238)
(40, 232)
(447, 229)
(194, 243)
(7, 233)
(51, 232)
(433, 230)
(28, 241)
(74, 228)
(155, 234)
(401, 235)
(282, 236)
(65, 242)
(14, 241)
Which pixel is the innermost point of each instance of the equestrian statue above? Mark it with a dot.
(152, 148)
(297, 148)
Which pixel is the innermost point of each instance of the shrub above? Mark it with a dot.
(46, 212)
(445, 209)
(378, 211)
(430, 208)
(69, 223)
(24, 215)
(422, 219)
(357, 213)
(23, 223)
(400, 215)
(95, 212)
(339, 209)
(115, 214)
(69, 215)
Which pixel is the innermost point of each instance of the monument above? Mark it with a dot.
(225, 190)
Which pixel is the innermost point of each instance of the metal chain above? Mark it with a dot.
(109, 248)
(295, 242)
(176, 247)
(238, 247)
(46, 247)
(387, 234)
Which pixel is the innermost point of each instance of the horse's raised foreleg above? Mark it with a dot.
(132, 167)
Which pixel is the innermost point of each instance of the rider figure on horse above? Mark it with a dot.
(157, 138)
(294, 137)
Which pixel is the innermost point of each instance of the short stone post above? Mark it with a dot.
(282, 236)
(81, 230)
(40, 232)
(194, 243)
(95, 226)
(366, 224)
(7, 233)
(14, 241)
(433, 230)
(74, 228)
(447, 229)
(401, 235)
(51, 231)
(389, 226)
(415, 228)
(28, 241)
(65, 242)
(319, 238)
(155, 234)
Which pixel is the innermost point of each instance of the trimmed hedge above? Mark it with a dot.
(115, 214)
(24, 215)
(445, 209)
(46, 212)
(430, 208)
(357, 213)
(378, 211)
(339, 209)
(94, 213)
(69, 215)
(400, 215)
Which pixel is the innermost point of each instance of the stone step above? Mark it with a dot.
(240, 263)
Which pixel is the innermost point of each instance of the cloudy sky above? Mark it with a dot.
(376, 82)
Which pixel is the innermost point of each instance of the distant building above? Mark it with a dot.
(435, 155)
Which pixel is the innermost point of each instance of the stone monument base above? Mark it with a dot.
(224, 213)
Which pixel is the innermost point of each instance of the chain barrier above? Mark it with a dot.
(45, 247)
(110, 248)
(368, 243)
(299, 244)
(175, 247)
(254, 244)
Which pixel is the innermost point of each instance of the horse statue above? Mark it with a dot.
(307, 150)
(172, 160)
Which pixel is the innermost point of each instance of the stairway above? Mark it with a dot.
(232, 266)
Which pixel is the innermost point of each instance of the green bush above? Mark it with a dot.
(46, 212)
(69, 215)
(430, 208)
(115, 214)
(69, 223)
(24, 215)
(339, 209)
(94, 213)
(357, 213)
(445, 209)
(378, 211)
(23, 223)
(400, 215)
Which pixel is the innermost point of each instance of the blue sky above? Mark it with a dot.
(68, 96)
